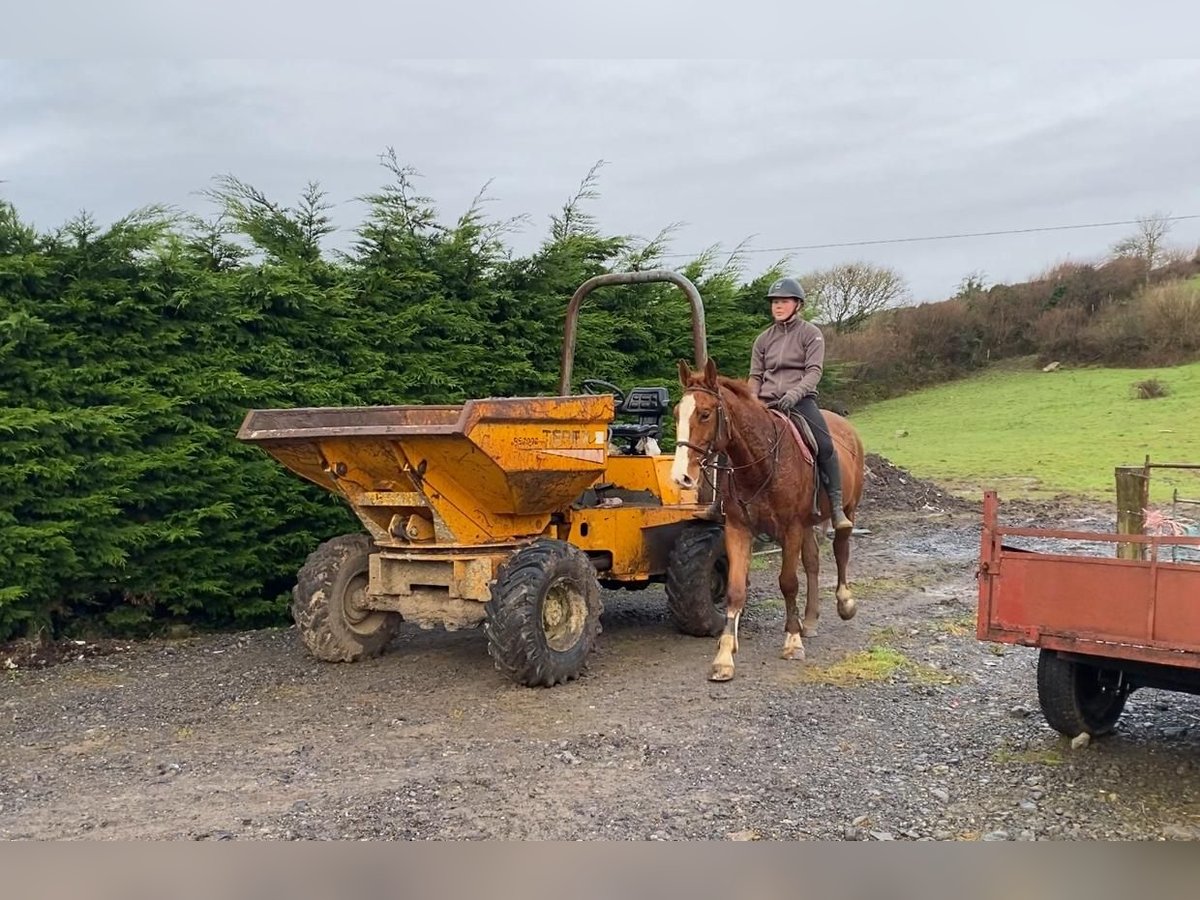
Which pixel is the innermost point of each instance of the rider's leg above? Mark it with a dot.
(827, 460)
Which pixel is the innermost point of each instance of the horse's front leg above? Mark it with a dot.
(846, 604)
(737, 550)
(789, 584)
(811, 554)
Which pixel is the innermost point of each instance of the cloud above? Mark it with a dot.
(792, 152)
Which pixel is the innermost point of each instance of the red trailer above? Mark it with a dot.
(1105, 626)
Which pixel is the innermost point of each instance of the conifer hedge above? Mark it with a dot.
(130, 353)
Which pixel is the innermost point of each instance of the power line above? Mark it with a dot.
(941, 237)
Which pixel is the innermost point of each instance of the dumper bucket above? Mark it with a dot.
(486, 471)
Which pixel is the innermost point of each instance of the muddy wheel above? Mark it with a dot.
(1076, 697)
(544, 614)
(697, 578)
(327, 602)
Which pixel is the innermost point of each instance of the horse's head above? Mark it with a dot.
(700, 429)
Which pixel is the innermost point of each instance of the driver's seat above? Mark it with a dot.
(649, 404)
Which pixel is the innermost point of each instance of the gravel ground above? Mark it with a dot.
(245, 736)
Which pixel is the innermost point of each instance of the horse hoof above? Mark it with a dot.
(807, 630)
(721, 673)
(793, 647)
(847, 608)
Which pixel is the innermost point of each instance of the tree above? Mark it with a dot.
(1148, 244)
(846, 295)
(972, 285)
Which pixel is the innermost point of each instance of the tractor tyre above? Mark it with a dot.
(698, 579)
(327, 602)
(544, 615)
(1075, 697)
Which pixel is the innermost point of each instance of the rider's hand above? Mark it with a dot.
(788, 400)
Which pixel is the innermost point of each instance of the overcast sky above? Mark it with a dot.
(784, 153)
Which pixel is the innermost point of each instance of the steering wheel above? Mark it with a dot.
(592, 386)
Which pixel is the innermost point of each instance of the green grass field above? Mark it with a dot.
(1032, 434)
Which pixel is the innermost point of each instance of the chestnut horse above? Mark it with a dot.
(767, 487)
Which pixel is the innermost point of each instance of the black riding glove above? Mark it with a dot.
(788, 400)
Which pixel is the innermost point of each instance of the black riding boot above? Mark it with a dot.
(831, 479)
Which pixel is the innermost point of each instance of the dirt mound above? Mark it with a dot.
(891, 487)
(38, 654)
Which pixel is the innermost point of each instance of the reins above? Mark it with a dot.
(709, 454)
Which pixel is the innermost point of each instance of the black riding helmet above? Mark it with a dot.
(786, 287)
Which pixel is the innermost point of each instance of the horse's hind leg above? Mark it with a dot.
(846, 604)
(811, 555)
(789, 584)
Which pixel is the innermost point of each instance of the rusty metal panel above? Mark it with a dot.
(1177, 598)
(1141, 609)
(1072, 595)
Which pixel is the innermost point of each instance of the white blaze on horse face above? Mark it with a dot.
(679, 470)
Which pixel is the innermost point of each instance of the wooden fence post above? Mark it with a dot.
(1133, 496)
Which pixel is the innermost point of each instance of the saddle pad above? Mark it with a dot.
(806, 442)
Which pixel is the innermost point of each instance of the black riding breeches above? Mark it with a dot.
(816, 421)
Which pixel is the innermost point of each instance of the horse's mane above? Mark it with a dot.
(738, 387)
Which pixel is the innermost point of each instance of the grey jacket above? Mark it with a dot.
(786, 356)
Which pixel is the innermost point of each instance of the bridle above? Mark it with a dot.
(709, 454)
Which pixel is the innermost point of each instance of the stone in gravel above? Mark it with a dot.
(1029, 806)
(1019, 712)
(942, 795)
(851, 833)
(1080, 740)
(860, 820)
(1180, 833)
(882, 835)
(748, 835)
(996, 836)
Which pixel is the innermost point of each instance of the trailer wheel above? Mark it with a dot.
(1076, 697)
(697, 580)
(327, 602)
(544, 614)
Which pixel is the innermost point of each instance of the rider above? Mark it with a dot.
(785, 367)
